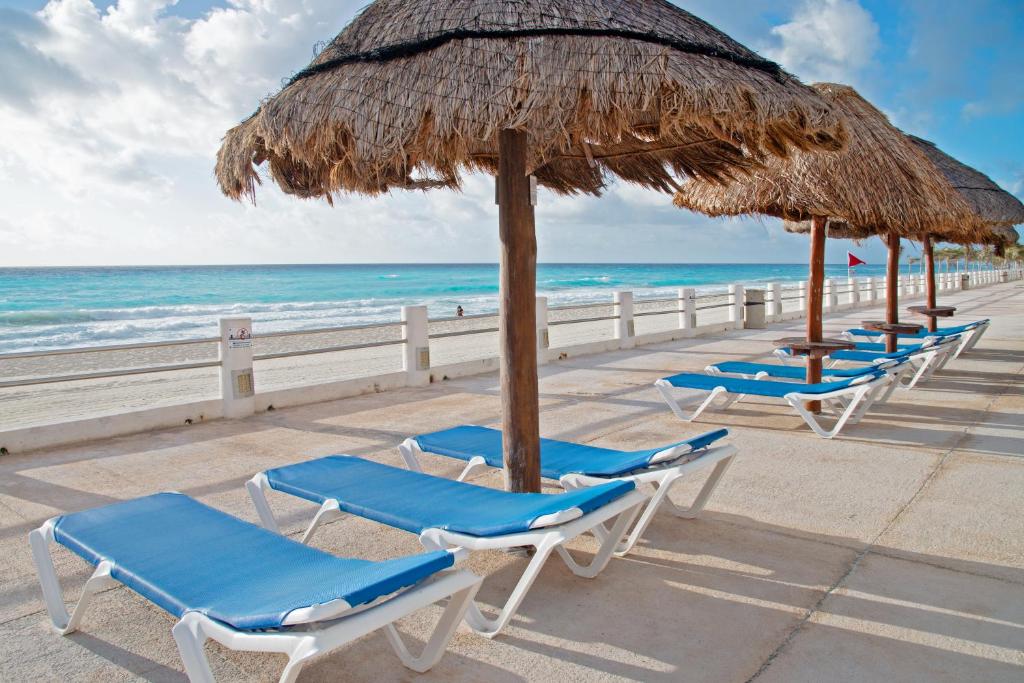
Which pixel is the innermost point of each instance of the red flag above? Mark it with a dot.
(852, 260)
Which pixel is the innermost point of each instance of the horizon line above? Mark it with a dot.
(438, 263)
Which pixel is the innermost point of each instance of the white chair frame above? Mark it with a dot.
(847, 404)
(546, 535)
(896, 370)
(307, 633)
(658, 478)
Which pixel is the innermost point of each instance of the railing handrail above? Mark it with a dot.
(112, 347)
(866, 284)
(104, 374)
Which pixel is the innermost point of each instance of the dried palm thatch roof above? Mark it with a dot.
(1001, 235)
(994, 208)
(1004, 235)
(881, 182)
(992, 203)
(833, 229)
(413, 93)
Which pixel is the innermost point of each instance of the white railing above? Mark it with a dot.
(661, 319)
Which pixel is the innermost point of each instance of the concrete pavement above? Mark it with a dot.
(894, 552)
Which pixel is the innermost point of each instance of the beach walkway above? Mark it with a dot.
(894, 552)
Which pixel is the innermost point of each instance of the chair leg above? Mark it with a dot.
(328, 512)
(296, 661)
(662, 488)
(188, 634)
(257, 488)
(489, 628)
(443, 632)
(609, 546)
(665, 389)
(922, 370)
(712, 482)
(407, 449)
(474, 463)
(40, 541)
(894, 381)
(812, 421)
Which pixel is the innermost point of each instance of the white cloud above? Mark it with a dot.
(826, 40)
(111, 119)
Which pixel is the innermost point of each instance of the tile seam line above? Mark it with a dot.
(859, 557)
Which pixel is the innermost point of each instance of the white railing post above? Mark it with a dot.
(851, 282)
(687, 308)
(624, 330)
(831, 296)
(776, 288)
(543, 341)
(872, 289)
(736, 301)
(237, 385)
(416, 350)
(802, 294)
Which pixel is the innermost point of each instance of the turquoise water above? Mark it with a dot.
(66, 307)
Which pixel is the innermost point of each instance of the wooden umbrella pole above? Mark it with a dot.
(518, 321)
(892, 277)
(929, 269)
(815, 300)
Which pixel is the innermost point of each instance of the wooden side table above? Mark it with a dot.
(814, 352)
(891, 331)
(933, 313)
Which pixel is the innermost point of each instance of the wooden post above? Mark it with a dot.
(815, 296)
(892, 299)
(518, 323)
(929, 273)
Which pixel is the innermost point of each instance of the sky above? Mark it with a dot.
(111, 114)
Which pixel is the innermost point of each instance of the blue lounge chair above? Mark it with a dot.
(970, 334)
(848, 399)
(576, 465)
(245, 587)
(923, 359)
(761, 370)
(894, 367)
(455, 514)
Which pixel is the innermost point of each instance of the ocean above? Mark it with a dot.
(52, 308)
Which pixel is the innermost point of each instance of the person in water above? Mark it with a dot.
(459, 312)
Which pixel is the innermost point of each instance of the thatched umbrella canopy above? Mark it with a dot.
(414, 93)
(881, 183)
(991, 203)
(993, 210)
(1002, 237)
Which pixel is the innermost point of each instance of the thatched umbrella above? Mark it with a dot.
(880, 183)
(413, 93)
(994, 207)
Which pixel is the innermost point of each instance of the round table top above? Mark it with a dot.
(890, 328)
(936, 312)
(801, 347)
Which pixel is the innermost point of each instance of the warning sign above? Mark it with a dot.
(239, 338)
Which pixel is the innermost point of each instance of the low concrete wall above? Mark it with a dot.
(106, 426)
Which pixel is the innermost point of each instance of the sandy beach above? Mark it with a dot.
(39, 404)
